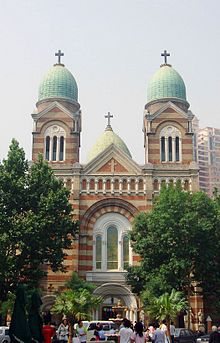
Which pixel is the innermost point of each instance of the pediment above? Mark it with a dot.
(112, 161)
(53, 107)
(170, 107)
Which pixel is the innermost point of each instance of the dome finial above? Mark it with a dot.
(59, 54)
(108, 127)
(165, 54)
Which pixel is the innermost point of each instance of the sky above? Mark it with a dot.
(112, 47)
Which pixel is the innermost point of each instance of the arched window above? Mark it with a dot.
(170, 149)
(98, 252)
(125, 252)
(170, 144)
(132, 185)
(177, 149)
(55, 138)
(124, 185)
(163, 156)
(47, 155)
(100, 184)
(84, 184)
(92, 184)
(140, 185)
(116, 184)
(112, 248)
(54, 157)
(61, 148)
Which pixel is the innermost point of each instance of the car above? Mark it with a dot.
(4, 334)
(203, 339)
(108, 326)
(184, 336)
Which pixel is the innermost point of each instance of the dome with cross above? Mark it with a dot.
(58, 82)
(105, 140)
(166, 83)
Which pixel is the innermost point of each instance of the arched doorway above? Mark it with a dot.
(111, 293)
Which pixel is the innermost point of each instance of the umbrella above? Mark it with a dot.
(35, 320)
(19, 331)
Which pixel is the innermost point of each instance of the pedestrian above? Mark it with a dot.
(63, 331)
(138, 336)
(172, 332)
(101, 333)
(48, 332)
(151, 332)
(159, 336)
(81, 332)
(215, 335)
(125, 332)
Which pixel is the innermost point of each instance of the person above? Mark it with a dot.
(163, 327)
(81, 332)
(215, 335)
(48, 332)
(125, 332)
(138, 336)
(151, 332)
(172, 332)
(63, 331)
(101, 333)
(159, 336)
(96, 331)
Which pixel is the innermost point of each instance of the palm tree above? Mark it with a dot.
(75, 305)
(166, 307)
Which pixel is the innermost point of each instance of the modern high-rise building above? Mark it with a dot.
(209, 159)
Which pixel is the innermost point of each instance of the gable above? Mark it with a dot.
(112, 161)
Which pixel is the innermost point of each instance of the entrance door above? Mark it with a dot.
(107, 313)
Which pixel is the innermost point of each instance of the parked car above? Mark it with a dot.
(4, 337)
(203, 339)
(108, 326)
(184, 336)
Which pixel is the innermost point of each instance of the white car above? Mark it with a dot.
(4, 337)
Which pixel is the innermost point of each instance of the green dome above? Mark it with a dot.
(106, 139)
(58, 82)
(166, 83)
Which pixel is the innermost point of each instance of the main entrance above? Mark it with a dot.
(111, 294)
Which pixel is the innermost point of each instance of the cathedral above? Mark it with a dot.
(111, 188)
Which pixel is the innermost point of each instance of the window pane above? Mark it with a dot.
(125, 252)
(177, 149)
(162, 149)
(98, 247)
(170, 148)
(61, 148)
(54, 157)
(112, 248)
(47, 155)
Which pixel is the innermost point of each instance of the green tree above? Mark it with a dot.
(178, 242)
(166, 307)
(36, 221)
(77, 301)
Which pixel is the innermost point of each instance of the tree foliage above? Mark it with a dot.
(36, 222)
(178, 242)
(165, 307)
(77, 301)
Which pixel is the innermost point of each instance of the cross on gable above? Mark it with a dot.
(112, 164)
(59, 54)
(165, 54)
(109, 116)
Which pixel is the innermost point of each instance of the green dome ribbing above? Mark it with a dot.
(166, 83)
(58, 83)
(103, 142)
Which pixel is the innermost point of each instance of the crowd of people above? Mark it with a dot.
(126, 333)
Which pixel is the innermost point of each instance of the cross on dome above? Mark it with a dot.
(59, 54)
(109, 116)
(165, 54)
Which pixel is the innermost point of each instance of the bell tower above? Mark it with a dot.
(57, 119)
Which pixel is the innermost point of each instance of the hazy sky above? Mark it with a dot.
(112, 47)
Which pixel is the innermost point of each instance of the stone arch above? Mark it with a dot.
(48, 301)
(122, 292)
(106, 206)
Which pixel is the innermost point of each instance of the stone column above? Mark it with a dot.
(96, 185)
(173, 150)
(87, 186)
(166, 150)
